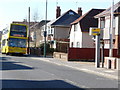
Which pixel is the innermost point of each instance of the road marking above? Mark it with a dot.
(76, 84)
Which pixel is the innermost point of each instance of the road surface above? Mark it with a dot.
(26, 72)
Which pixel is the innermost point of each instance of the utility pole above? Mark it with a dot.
(45, 32)
(29, 30)
(111, 30)
(97, 51)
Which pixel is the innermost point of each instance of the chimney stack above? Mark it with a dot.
(79, 11)
(58, 12)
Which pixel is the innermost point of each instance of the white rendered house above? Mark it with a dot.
(79, 33)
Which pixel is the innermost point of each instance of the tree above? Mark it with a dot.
(35, 18)
(35, 15)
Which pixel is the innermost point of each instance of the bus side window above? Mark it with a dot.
(3, 42)
(7, 42)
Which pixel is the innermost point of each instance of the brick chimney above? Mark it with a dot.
(58, 12)
(79, 11)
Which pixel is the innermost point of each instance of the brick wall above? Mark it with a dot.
(110, 63)
(59, 55)
(62, 47)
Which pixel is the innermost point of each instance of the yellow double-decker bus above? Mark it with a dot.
(14, 39)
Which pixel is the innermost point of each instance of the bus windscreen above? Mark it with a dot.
(15, 42)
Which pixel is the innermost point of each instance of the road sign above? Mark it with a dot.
(94, 31)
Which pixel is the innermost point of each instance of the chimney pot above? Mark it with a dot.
(80, 11)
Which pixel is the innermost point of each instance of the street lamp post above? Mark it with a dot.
(29, 30)
(111, 30)
(45, 32)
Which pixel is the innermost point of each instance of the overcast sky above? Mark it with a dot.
(17, 10)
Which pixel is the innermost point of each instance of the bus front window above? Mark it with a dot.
(13, 42)
(22, 43)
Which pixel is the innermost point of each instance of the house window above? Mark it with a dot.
(78, 44)
(102, 23)
(49, 30)
(75, 27)
(114, 22)
(107, 23)
(42, 32)
(33, 36)
(52, 30)
(5, 31)
(71, 13)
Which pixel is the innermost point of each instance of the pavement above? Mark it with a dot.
(88, 67)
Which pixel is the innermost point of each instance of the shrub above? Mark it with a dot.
(47, 48)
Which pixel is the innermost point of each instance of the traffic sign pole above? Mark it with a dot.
(96, 32)
(97, 53)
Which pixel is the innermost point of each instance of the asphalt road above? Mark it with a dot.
(25, 72)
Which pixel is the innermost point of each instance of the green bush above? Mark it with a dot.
(48, 49)
(51, 50)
